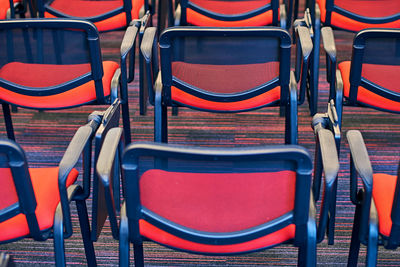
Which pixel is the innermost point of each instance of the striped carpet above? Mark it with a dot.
(45, 135)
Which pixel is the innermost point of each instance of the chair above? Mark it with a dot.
(220, 13)
(370, 78)
(49, 64)
(106, 15)
(222, 70)
(376, 219)
(35, 201)
(212, 200)
(350, 15)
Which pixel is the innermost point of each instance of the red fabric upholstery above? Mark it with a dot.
(383, 194)
(218, 202)
(367, 8)
(197, 19)
(7, 189)
(225, 79)
(383, 75)
(4, 7)
(45, 186)
(153, 233)
(255, 102)
(87, 8)
(235, 7)
(41, 75)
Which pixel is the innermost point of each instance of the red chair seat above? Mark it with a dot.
(153, 233)
(229, 8)
(85, 9)
(367, 8)
(383, 194)
(41, 75)
(45, 186)
(225, 79)
(379, 74)
(199, 201)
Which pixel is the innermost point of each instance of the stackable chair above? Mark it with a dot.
(220, 13)
(377, 215)
(214, 201)
(222, 70)
(54, 64)
(350, 15)
(35, 201)
(106, 15)
(370, 78)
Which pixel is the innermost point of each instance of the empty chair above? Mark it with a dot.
(370, 78)
(222, 70)
(211, 200)
(350, 15)
(49, 64)
(377, 215)
(35, 202)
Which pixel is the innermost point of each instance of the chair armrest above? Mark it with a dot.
(178, 14)
(303, 52)
(360, 164)
(128, 48)
(329, 156)
(328, 41)
(81, 143)
(107, 169)
(150, 56)
(284, 23)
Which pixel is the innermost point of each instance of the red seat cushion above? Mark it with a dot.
(42, 75)
(153, 233)
(45, 186)
(225, 79)
(383, 75)
(383, 194)
(4, 7)
(366, 8)
(87, 8)
(218, 202)
(229, 8)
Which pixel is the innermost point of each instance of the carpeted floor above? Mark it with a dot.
(45, 135)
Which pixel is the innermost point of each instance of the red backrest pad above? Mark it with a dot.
(218, 202)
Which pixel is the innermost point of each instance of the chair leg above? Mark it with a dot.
(8, 121)
(175, 111)
(85, 231)
(355, 239)
(123, 239)
(332, 216)
(138, 252)
(372, 249)
(58, 230)
(126, 122)
(308, 252)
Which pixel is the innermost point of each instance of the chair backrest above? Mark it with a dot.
(395, 214)
(16, 188)
(43, 57)
(376, 64)
(221, 13)
(225, 65)
(216, 196)
(377, 12)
